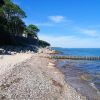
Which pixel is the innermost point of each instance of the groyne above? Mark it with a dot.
(75, 57)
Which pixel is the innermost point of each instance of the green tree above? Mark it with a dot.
(3, 20)
(17, 26)
(11, 9)
(12, 26)
(32, 31)
(14, 14)
(11, 20)
(43, 43)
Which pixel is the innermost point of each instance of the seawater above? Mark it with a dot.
(86, 66)
(79, 51)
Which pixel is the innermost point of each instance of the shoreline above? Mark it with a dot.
(36, 78)
(79, 80)
(39, 78)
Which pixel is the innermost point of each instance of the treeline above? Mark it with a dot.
(13, 30)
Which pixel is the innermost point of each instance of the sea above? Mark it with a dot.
(89, 67)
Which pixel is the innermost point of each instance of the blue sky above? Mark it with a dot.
(65, 23)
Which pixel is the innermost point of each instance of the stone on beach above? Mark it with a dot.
(51, 64)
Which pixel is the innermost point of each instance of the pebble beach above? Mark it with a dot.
(29, 76)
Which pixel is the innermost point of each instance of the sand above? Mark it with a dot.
(7, 62)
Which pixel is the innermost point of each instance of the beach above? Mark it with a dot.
(34, 77)
(49, 50)
(7, 62)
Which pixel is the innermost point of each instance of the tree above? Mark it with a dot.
(11, 23)
(3, 20)
(14, 14)
(43, 43)
(11, 9)
(12, 26)
(32, 31)
(17, 26)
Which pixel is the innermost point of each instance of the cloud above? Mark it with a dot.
(89, 32)
(54, 20)
(51, 21)
(92, 32)
(57, 19)
(72, 41)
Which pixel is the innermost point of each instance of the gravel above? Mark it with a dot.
(36, 79)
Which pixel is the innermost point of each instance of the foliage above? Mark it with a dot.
(32, 31)
(11, 23)
(13, 15)
(43, 43)
(12, 27)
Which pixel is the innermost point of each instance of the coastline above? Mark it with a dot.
(37, 78)
(79, 80)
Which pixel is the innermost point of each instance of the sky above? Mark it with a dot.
(65, 23)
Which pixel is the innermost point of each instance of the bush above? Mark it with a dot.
(43, 43)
